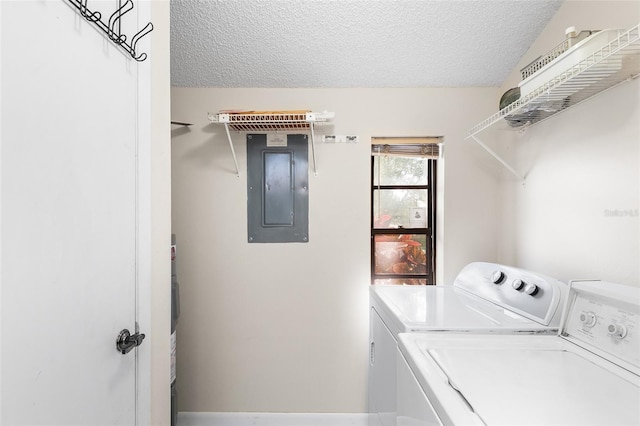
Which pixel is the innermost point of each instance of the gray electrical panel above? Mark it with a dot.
(277, 188)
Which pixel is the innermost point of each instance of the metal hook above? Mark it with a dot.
(114, 20)
(87, 14)
(136, 38)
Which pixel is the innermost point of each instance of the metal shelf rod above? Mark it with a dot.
(233, 151)
(313, 150)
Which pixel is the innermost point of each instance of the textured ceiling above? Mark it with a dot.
(351, 43)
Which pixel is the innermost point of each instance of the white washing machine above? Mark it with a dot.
(587, 374)
(484, 298)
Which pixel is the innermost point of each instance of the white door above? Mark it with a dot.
(69, 217)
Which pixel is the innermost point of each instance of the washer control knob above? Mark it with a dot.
(588, 319)
(617, 330)
(531, 289)
(517, 284)
(497, 277)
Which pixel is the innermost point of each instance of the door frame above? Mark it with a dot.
(143, 353)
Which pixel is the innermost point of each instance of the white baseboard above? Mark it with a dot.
(276, 419)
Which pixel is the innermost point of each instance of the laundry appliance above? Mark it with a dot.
(586, 374)
(484, 298)
(175, 314)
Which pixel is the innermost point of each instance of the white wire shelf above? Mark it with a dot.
(615, 63)
(271, 121)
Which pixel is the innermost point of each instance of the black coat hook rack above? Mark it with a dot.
(113, 26)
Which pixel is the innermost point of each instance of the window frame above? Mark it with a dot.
(429, 231)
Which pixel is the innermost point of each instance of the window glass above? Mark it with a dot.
(393, 170)
(406, 208)
(400, 254)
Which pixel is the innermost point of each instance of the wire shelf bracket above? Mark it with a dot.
(497, 157)
(613, 64)
(283, 122)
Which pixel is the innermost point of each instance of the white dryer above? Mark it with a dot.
(587, 374)
(484, 298)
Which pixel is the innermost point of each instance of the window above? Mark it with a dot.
(403, 207)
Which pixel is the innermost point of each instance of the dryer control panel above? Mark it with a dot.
(604, 318)
(530, 294)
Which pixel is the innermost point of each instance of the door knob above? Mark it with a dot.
(127, 341)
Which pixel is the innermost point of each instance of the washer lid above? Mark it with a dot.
(539, 387)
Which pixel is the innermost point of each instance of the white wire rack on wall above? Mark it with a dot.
(271, 121)
(616, 62)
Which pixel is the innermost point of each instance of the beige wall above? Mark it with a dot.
(580, 164)
(283, 327)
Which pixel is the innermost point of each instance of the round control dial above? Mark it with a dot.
(617, 330)
(588, 319)
(497, 277)
(531, 289)
(517, 284)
